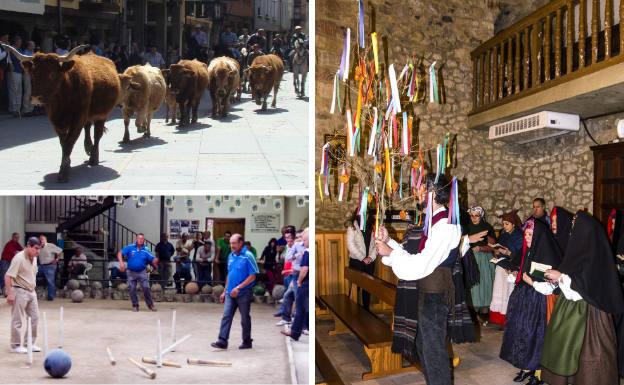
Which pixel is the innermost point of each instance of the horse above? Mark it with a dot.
(299, 62)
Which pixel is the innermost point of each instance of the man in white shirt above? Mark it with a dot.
(203, 260)
(429, 276)
(48, 261)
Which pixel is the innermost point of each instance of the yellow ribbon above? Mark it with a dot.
(375, 51)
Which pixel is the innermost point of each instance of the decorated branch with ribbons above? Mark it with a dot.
(380, 146)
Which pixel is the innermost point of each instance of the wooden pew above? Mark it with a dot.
(374, 333)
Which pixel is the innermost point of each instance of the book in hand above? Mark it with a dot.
(537, 271)
(496, 246)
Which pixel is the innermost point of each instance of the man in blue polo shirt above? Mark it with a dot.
(242, 270)
(139, 258)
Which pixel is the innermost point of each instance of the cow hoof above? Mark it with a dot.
(147, 135)
(93, 161)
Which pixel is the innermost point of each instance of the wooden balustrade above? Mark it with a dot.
(544, 49)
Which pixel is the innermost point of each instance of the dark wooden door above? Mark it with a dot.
(608, 179)
(233, 225)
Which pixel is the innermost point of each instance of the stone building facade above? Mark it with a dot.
(498, 176)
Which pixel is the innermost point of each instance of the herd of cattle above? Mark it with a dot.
(81, 90)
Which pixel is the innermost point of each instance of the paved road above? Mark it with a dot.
(249, 150)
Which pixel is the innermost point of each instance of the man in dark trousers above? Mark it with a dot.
(164, 251)
(428, 274)
(139, 257)
(242, 270)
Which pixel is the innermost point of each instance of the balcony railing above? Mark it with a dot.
(562, 41)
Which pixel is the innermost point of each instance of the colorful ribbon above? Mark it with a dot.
(373, 135)
(361, 24)
(434, 97)
(375, 51)
(395, 90)
(363, 208)
(346, 54)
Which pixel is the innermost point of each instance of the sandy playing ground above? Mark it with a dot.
(93, 325)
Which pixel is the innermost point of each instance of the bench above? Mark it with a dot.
(326, 368)
(374, 333)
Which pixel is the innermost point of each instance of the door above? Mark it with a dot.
(233, 225)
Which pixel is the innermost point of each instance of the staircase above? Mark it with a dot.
(88, 223)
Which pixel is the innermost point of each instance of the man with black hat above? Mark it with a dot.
(425, 279)
(20, 281)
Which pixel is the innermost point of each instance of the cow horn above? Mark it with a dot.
(16, 53)
(71, 53)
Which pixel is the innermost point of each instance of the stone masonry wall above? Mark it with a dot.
(499, 176)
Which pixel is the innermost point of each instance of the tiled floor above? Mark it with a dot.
(479, 361)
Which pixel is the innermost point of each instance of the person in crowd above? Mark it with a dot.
(136, 56)
(582, 320)
(539, 210)
(184, 243)
(15, 80)
(221, 256)
(258, 38)
(199, 36)
(228, 38)
(78, 262)
(523, 338)
(362, 251)
(11, 248)
(120, 58)
(183, 269)
(301, 303)
(172, 55)
(244, 37)
(164, 252)
(48, 261)
(294, 251)
(154, 58)
(4, 67)
(61, 46)
(430, 271)
(481, 293)
(255, 52)
(561, 225)
(242, 270)
(268, 259)
(114, 271)
(139, 257)
(203, 261)
(20, 281)
(252, 249)
(277, 46)
(27, 107)
(509, 249)
(298, 34)
(197, 244)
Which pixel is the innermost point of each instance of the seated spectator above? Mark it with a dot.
(251, 249)
(183, 269)
(114, 273)
(77, 263)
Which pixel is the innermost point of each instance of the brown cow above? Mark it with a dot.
(224, 81)
(265, 73)
(188, 79)
(77, 91)
(142, 91)
(171, 105)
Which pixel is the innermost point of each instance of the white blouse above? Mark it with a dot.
(564, 283)
(443, 237)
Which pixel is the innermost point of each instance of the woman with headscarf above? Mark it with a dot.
(526, 312)
(481, 293)
(580, 345)
(507, 254)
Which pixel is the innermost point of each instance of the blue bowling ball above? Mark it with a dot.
(57, 363)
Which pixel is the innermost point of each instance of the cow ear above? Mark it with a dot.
(135, 85)
(66, 66)
(188, 71)
(164, 72)
(233, 73)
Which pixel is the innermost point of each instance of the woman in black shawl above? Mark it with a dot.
(526, 313)
(561, 225)
(268, 257)
(582, 321)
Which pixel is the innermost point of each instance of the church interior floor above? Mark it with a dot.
(479, 365)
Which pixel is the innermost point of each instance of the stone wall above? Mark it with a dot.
(498, 176)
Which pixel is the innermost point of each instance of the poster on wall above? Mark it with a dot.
(265, 223)
(194, 225)
(174, 228)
